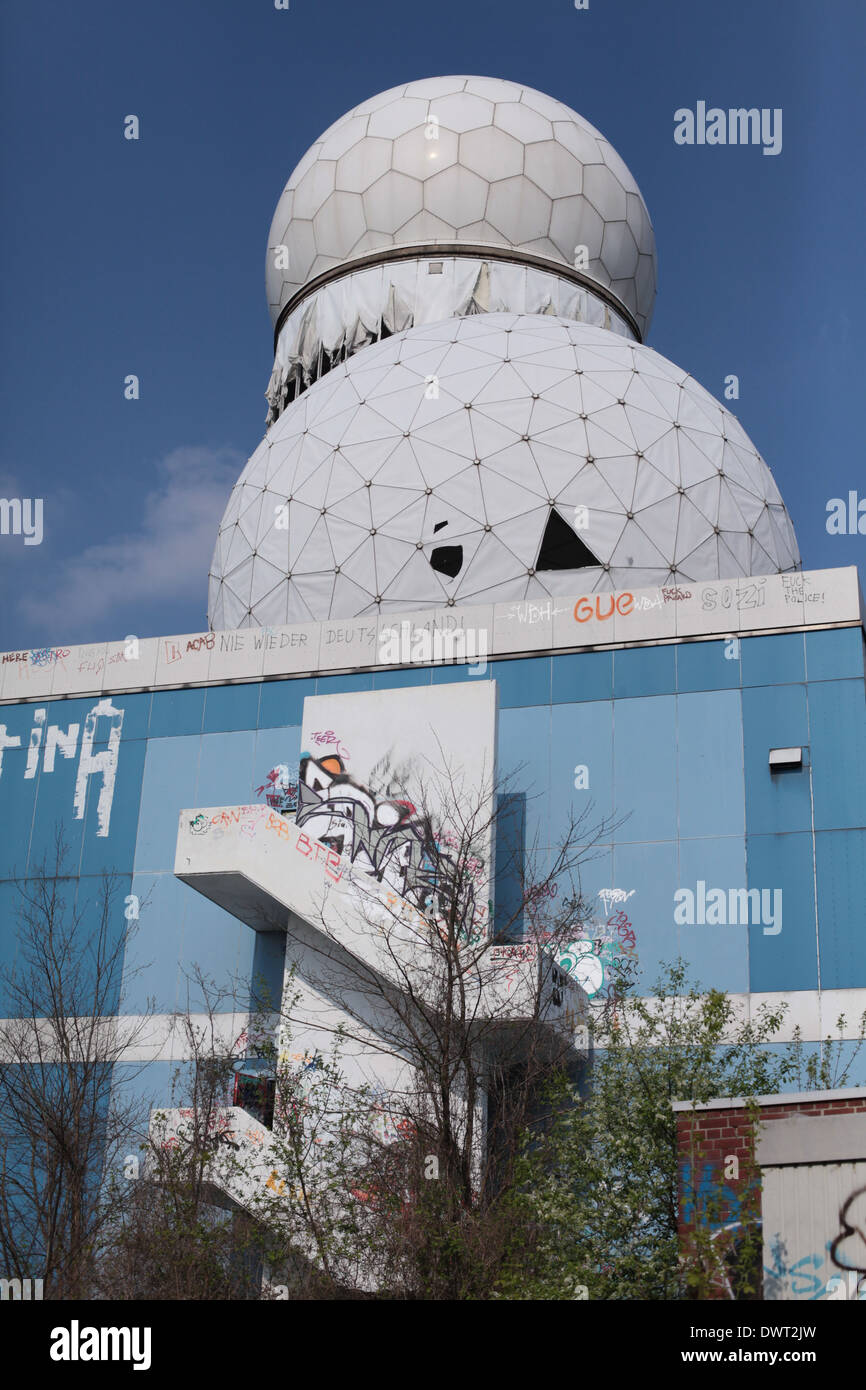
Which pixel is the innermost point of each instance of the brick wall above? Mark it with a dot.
(708, 1138)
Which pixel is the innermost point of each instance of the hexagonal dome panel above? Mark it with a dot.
(488, 458)
(517, 163)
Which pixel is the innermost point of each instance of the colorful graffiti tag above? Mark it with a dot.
(247, 817)
(280, 789)
(389, 840)
(604, 950)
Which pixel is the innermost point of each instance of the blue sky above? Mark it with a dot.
(148, 256)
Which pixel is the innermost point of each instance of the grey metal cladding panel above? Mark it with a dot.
(812, 1139)
(800, 1210)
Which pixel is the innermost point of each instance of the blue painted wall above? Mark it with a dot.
(675, 740)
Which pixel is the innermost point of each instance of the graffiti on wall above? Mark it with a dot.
(609, 896)
(389, 840)
(804, 1278)
(743, 595)
(848, 1249)
(280, 789)
(46, 743)
(331, 740)
(245, 817)
(605, 949)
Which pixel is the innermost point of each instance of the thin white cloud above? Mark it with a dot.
(161, 564)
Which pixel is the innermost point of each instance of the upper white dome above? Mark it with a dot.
(471, 161)
(489, 458)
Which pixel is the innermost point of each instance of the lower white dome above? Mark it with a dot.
(490, 458)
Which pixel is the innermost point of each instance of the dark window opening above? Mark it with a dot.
(510, 897)
(562, 548)
(438, 526)
(256, 1094)
(447, 559)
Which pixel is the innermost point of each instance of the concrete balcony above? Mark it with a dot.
(267, 872)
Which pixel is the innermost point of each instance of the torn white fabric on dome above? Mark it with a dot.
(347, 314)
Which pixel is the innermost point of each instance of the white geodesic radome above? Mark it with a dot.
(464, 161)
(491, 458)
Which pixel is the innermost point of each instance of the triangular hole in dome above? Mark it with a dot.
(561, 548)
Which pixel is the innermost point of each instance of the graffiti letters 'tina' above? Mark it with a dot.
(65, 742)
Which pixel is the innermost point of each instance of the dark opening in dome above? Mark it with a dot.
(562, 548)
(447, 559)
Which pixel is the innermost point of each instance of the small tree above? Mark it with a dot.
(62, 1120)
(601, 1180)
(824, 1066)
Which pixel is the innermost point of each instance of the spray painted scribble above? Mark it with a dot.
(327, 736)
(38, 656)
(614, 895)
(280, 789)
(304, 845)
(246, 818)
(90, 764)
(848, 1249)
(48, 656)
